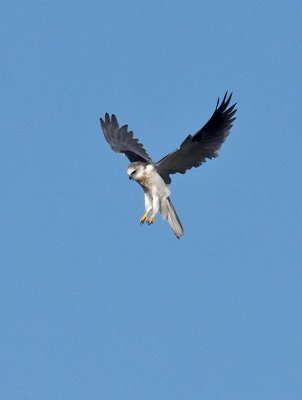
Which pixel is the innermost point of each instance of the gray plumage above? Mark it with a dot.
(122, 141)
(155, 177)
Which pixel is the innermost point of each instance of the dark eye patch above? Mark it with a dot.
(133, 172)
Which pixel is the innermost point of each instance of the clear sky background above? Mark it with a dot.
(95, 306)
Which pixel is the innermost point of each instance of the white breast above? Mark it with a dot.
(154, 182)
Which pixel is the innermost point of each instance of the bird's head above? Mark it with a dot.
(136, 170)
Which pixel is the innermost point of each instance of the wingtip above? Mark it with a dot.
(106, 120)
(109, 120)
(102, 122)
(226, 99)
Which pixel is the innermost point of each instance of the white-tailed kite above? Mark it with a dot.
(154, 178)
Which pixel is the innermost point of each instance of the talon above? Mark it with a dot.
(151, 219)
(143, 218)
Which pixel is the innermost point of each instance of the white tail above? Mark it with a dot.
(168, 212)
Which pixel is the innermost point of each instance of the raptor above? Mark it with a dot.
(154, 177)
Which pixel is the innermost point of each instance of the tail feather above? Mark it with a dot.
(168, 212)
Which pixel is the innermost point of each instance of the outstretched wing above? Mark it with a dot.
(122, 141)
(194, 150)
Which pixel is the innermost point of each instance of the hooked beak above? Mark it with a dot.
(130, 178)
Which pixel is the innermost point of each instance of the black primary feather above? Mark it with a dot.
(122, 141)
(206, 142)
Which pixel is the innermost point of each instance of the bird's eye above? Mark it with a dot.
(133, 172)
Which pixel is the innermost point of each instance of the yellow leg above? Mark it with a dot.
(144, 217)
(151, 219)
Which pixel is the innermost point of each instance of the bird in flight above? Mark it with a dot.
(154, 177)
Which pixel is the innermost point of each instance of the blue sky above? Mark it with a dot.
(95, 306)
